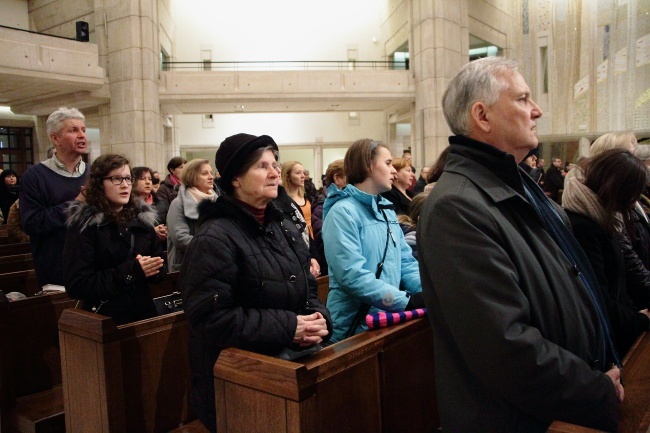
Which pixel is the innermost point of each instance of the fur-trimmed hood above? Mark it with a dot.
(84, 215)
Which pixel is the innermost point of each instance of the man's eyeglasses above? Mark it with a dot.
(117, 180)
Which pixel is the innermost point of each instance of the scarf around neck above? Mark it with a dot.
(578, 198)
(199, 196)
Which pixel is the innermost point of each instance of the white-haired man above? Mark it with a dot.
(521, 337)
(46, 189)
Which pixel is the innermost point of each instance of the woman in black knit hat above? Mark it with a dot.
(246, 272)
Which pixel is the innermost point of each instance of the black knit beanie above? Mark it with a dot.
(232, 153)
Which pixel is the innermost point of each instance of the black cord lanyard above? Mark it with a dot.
(363, 310)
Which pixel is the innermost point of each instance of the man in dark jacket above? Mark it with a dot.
(521, 339)
(554, 181)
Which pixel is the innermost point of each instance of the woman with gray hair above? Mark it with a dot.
(246, 276)
(196, 186)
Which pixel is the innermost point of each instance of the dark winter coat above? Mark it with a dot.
(243, 286)
(400, 202)
(8, 195)
(167, 191)
(637, 261)
(100, 266)
(518, 337)
(553, 182)
(605, 254)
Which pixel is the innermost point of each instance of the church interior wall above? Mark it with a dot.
(14, 14)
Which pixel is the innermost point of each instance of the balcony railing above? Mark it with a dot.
(286, 65)
(37, 33)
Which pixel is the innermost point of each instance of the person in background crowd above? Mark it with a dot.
(541, 171)
(155, 175)
(408, 223)
(554, 181)
(600, 208)
(143, 188)
(155, 185)
(437, 169)
(293, 180)
(635, 249)
(310, 188)
(168, 189)
(407, 155)
(422, 180)
(111, 250)
(298, 212)
(371, 267)
(48, 187)
(399, 194)
(643, 153)
(15, 232)
(532, 344)
(334, 180)
(196, 186)
(529, 163)
(249, 268)
(8, 191)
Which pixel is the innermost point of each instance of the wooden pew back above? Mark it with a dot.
(16, 262)
(133, 377)
(12, 249)
(381, 380)
(30, 345)
(635, 410)
(323, 288)
(24, 282)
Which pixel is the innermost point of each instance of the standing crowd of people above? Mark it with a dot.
(536, 279)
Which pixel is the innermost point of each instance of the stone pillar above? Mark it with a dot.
(42, 142)
(130, 41)
(440, 44)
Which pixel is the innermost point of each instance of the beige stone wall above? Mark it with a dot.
(59, 17)
(599, 66)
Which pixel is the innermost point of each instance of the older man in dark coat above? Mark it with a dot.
(521, 338)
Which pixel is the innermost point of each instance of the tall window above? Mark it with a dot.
(16, 150)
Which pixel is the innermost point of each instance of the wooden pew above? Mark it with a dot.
(16, 262)
(170, 284)
(30, 365)
(635, 410)
(12, 249)
(323, 288)
(127, 378)
(24, 282)
(377, 381)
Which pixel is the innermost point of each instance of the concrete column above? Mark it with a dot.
(440, 44)
(134, 127)
(42, 142)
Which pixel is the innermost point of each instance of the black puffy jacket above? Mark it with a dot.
(100, 266)
(243, 286)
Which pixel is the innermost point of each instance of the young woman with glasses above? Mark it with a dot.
(111, 250)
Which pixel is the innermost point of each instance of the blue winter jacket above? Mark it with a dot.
(354, 234)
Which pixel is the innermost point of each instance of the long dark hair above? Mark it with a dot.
(439, 166)
(618, 178)
(95, 193)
